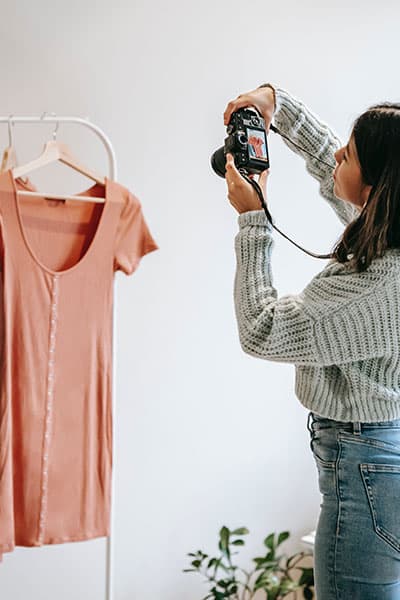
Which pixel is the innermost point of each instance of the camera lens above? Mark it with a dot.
(218, 162)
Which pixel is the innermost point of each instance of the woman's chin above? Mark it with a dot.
(339, 196)
(336, 192)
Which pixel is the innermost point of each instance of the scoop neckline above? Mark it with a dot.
(89, 250)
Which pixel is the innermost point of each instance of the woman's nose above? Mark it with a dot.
(337, 156)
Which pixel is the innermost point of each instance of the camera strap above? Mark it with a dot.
(258, 190)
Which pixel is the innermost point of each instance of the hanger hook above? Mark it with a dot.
(10, 132)
(53, 114)
(55, 131)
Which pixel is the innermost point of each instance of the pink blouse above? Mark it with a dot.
(58, 260)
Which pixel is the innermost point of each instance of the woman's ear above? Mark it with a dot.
(365, 194)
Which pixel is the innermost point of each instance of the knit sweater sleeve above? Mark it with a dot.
(305, 129)
(339, 318)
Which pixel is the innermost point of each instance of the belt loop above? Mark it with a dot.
(357, 428)
(309, 422)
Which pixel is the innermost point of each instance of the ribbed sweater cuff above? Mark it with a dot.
(254, 217)
(282, 98)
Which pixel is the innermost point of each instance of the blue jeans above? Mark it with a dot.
(357, 544)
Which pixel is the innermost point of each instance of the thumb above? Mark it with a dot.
(229, 159)
(231, 167)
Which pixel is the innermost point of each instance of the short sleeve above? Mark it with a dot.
(133, 237)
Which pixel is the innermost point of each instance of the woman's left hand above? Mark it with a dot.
(241, 194)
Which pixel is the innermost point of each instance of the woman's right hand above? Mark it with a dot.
(263, 99)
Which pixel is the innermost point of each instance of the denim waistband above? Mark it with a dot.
(315, 422)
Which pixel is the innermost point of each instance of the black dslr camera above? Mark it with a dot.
(246, 141)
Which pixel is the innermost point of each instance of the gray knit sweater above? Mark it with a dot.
(342, 331)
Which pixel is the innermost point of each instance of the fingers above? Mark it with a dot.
(233, 176)
(241, 102)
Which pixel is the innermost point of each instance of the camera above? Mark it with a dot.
(246, 141)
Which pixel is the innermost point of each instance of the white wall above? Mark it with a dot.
(206, 435)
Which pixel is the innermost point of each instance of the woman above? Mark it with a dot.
(342, 333)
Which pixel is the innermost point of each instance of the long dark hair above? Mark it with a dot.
(376, 134)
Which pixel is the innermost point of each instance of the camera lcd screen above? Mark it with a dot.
(257, 143)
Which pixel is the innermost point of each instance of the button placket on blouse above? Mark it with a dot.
(49, 407)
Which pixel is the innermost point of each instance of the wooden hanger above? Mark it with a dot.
(57, 151)
(9, 160)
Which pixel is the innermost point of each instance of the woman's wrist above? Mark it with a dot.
(271, 87)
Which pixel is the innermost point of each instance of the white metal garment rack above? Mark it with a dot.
(112, 175)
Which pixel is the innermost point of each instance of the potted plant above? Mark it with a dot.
(272, 574)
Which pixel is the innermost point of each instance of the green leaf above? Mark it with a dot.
(196, 563)
(266, 580)
(270, 541)
(288, 585)
(263, 563)
(240, 531)
(272, 594)
(282, 537)
(224, 534)
(270, 555)
(238, 543)
(224, 539)
(218, 595)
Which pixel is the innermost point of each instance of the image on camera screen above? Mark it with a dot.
(257, 144)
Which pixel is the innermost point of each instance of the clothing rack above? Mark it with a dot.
(112, 175)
